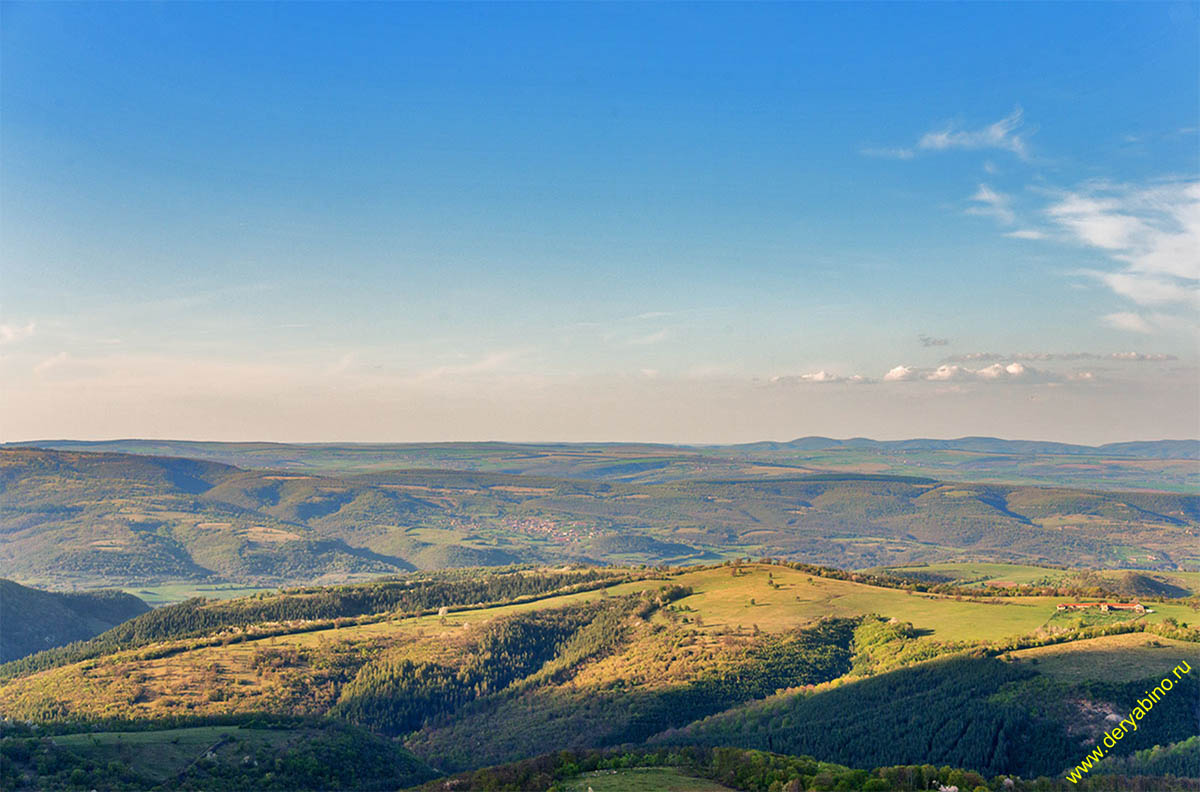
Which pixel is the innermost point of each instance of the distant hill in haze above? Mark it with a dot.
(1170, 465)
(32, 620)
(91, 520)
(1151, 449)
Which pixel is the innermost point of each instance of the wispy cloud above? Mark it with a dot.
(930, 341)
(1005, 135)
(1026, 233)
(489, 363)
(1154, 232)
(1128, 321)
(648, 339)
(47, 365)
(989, 203)
(818, 377)
(11, 333)
(1132, 357)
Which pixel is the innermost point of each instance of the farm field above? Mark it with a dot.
(178, 592)
(1116, 658)
(1002, 574)
(641, 779)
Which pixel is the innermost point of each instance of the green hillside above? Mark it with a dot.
(473, 668)
(286, 754)
(33, 621)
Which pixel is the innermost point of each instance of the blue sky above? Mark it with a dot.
(665, 222)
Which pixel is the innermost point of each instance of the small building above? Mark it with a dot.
(1136, 607)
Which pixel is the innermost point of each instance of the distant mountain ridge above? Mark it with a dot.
(1140, 449)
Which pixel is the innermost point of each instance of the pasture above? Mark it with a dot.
(1113, 658)
(640, 779)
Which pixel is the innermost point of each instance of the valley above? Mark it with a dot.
(370, 628)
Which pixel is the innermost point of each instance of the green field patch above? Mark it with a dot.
(178, 592)
(161, 755)
(1091, 617)
(1112, 658)
(640, 779)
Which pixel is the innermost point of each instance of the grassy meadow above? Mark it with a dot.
(641, 779)
(1115, 658)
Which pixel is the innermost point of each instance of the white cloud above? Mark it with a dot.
(1096, 222)
(946, 373)
(990, 203)
(821, 376)
(1003, 134)
(1154, 232)
(11, 333)
(1026, 233)
(1128, 321)
(997, 372)
(901, 374)
(1147, 289)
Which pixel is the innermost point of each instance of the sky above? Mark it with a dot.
(675, 223)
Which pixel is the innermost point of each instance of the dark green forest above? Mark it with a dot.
(963, 711)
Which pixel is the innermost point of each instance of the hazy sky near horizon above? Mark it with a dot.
(697, 223)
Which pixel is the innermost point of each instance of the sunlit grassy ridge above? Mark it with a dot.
(616, 663)
(1172, 583)
(1114, 658)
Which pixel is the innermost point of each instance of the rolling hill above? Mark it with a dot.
(469, 669)
(84, 519)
